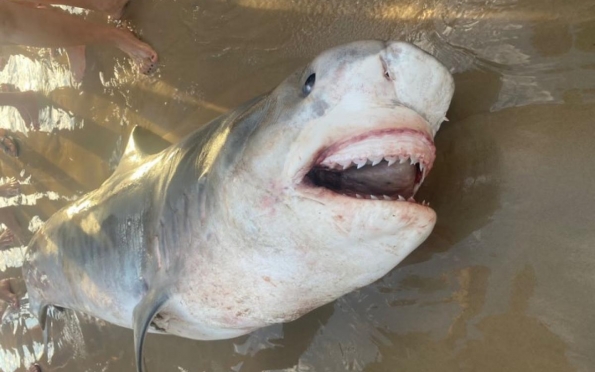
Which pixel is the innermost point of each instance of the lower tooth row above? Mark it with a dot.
(385, 197)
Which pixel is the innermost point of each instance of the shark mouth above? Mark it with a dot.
(387, 165)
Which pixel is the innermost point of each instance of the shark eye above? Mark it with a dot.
(309, 84)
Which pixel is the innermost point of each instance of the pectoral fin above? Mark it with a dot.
(144, 313)
(42, 313)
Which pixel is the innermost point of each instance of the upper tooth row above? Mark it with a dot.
(374, 161)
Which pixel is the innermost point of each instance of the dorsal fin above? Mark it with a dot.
(141, 143)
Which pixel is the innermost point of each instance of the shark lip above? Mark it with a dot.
(386, 164)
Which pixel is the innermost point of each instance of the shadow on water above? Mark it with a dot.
(537, 346)
(467, 157)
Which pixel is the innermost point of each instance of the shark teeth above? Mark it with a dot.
(363, 161)
(391, 160)
(360, 162)
(344, 165)
(383, 198)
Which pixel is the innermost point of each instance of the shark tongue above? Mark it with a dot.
(394, 180)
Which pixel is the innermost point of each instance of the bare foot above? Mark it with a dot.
(10, 188)
(34, 368)
(9, 145)
(7, 294)
(78, 61)
(6, 239)
(141, 53)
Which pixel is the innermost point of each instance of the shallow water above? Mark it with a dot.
(504, 283)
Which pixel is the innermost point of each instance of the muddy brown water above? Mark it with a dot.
(506, 282)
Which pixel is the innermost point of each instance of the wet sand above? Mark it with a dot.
(504, 283)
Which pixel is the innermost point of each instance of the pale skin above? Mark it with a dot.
(26, 104)
(24, 24)
(8, 144)
(113, 8)
(6, 239)
(7, 294)
(9, 189)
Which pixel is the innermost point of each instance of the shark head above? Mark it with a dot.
(319, 199)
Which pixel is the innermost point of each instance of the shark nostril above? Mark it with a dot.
(386, 71)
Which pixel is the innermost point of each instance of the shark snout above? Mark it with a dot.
(420, 81)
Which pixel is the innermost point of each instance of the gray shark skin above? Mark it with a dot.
(264, 214)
